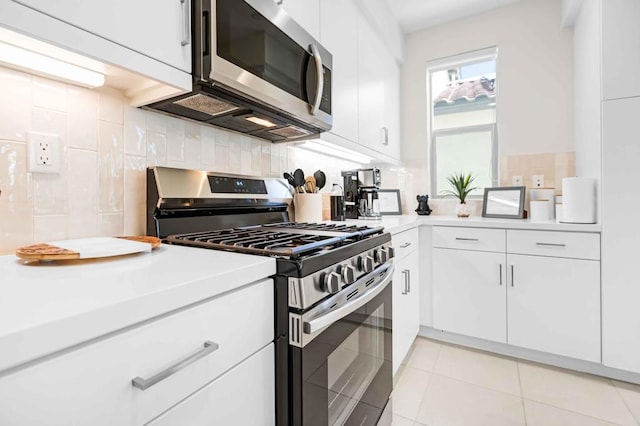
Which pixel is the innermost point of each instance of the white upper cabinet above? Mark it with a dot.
(378, 94)
(339, 35)
(159, 29)
(620, 48)
(142, 47)
(304, 12)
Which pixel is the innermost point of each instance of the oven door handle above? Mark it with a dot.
(318, 323)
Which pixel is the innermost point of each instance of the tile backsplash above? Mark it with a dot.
(106, 147)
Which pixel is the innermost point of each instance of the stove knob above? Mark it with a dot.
(368, 264)
(348, 274)
(332, 282)
(383, 256)
(392, 252)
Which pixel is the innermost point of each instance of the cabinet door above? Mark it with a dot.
(620, 236)
(339, 34)
(153, 28)
(620, 47)
(306, 13)
(406, 307)
(371, 87)
(469, 293)
(554, 305)
(391, 145)
(243, 396)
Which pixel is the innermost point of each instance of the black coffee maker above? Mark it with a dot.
(361, 193)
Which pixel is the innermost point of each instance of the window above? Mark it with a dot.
(462, 121)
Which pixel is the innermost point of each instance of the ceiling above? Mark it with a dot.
(413, 15)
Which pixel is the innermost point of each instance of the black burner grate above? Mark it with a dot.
(283, 244)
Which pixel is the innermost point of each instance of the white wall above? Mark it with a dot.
(534, 76)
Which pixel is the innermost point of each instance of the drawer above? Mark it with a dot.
(92, 384)
(243, 396)
(478, 239)
(405, 242)
(576, 245)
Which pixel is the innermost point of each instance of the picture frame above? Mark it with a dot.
(505, 202)
(389, 201)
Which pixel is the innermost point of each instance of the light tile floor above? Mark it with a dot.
(447, 385)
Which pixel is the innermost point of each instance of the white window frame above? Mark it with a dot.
(482, 55)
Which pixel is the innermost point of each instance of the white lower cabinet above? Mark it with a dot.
(554, 305)
(187, 351)
(406, 297)
(545, 297)
(469, 293)
(243, 396)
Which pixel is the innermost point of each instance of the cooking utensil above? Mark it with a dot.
(310, 184)
(321, 179)
(88, 248)
(298, 176)
(289, 177)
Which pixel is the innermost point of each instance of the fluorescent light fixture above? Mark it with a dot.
(36, 63)
(260, 121)
(335, 151)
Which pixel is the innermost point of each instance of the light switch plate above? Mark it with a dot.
(43, 152)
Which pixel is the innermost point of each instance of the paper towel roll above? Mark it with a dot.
(578, 200)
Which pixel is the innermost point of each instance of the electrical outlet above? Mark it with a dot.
(538, 181)
(516, 180)
(44, 152)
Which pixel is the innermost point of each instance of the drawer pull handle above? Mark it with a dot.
(142, 384)
(405, 245)
(551, 244)
(501, 274)
(466, 239)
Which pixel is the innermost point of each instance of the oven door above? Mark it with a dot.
(342, 376)
(258, 50)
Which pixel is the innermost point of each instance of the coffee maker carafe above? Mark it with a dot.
(361, 193)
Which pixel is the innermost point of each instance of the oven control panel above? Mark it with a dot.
(304, 292)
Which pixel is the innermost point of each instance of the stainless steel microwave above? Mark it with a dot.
(255, 71)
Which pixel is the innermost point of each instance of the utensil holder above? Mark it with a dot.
(308, 207)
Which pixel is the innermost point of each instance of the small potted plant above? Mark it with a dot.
(461, 188)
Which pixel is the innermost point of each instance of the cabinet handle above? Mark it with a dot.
(512, 276)
(466, 239)
(551, 244)
(405, 245)
(408, 280)
(142, 384)
(406, 283)
(386, 136)
(186, 23)
(501, 274)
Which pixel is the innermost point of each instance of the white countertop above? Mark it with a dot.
(48, 306)
(395, 224)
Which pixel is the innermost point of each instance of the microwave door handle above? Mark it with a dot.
(320, 79)
(312, 326)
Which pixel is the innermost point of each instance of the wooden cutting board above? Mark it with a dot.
(88, 248)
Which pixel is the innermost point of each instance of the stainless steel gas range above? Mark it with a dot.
(333, 329)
